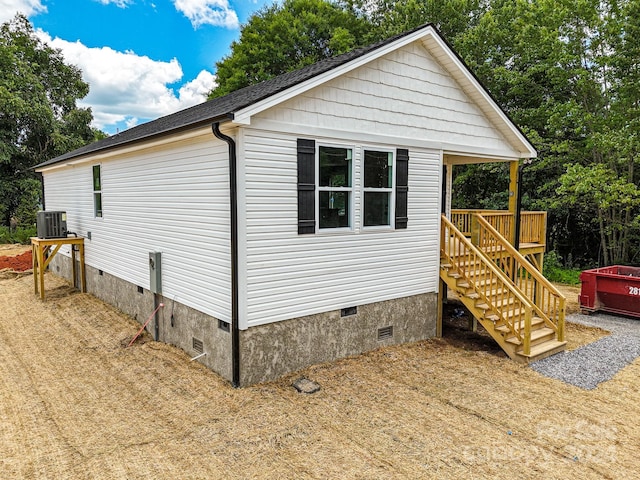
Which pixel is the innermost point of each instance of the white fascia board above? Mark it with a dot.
(528, 150)
(243, 116)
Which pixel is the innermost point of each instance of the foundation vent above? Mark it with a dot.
(345, 312)
(385, 333)
(224, 326)
(198, 346)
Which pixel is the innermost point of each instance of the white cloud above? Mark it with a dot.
(119, 3)
(208, 12)
(125, 87)
(8, 8)
(194, 91)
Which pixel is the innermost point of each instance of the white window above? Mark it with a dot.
(335, 187)
(97, 191)
(378, 185)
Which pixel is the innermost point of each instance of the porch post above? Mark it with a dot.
(513, 198)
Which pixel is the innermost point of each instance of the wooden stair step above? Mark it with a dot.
(514, 312)
(486, 281)
(504, 301)
(497, 292)
(465, 263)
(543, 350)
(535, 323)
(536, 336)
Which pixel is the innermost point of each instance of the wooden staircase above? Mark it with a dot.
(510, 298)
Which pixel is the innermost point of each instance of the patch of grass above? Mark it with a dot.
(558, 273)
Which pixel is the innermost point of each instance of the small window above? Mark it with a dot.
(378, 188)
(335, 187)
(97, 191)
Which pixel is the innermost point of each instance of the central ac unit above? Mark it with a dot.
(51, 224)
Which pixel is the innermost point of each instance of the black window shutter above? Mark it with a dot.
(306, 186)
(402, 186)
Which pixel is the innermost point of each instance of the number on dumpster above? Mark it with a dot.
(634, 290)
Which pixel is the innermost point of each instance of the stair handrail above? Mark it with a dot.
(541, 291)
(519, 326)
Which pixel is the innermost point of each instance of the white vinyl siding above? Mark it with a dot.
(405, 94)
(174, 200)
(290, 275)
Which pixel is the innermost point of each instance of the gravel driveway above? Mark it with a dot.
(588, 366)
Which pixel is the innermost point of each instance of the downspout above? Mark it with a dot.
(233, 192)
(41, 178)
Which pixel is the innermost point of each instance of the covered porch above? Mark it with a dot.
(525, 230)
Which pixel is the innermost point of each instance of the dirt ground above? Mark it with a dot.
(75, 404)
(17, 249)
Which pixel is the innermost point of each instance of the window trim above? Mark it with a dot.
(391, 190)
(351, 189)
(97, 192)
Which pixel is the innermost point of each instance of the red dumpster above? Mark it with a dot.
(614, 289)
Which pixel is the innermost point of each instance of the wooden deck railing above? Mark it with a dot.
(488, 281)
(533, 225)
(548, 302)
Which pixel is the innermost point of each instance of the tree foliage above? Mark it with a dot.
(607, 200)
(39, 118)
(284, 37)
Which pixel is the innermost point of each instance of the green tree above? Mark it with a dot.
(39, 118)
(390, 17)
(284, 37)
(609, 200)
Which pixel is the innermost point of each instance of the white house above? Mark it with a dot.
(297, 219)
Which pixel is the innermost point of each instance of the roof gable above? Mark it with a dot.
(240, 105)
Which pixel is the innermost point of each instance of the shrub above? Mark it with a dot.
(555, 271)
(19, 235)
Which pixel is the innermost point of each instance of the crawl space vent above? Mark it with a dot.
(345, 312)
(197, 345)
(385, 333)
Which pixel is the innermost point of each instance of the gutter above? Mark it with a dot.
(233, 205)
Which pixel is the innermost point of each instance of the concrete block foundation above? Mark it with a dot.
(268, 351)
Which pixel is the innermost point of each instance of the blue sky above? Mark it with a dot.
(142, 58)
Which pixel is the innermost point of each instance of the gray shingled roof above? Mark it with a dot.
(223, 107)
